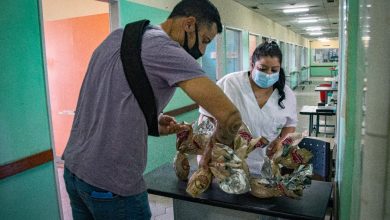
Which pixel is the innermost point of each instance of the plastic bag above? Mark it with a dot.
(273, 182)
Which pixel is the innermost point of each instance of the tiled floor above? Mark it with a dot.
(162, 207)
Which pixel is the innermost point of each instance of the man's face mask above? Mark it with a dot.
(194, 51)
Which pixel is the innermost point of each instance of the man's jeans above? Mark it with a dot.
(89, 202)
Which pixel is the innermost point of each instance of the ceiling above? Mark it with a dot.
(325, 11)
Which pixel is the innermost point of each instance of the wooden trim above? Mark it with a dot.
(32, 161)
(26, 163)
(182, 110)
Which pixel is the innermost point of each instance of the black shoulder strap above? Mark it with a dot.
(135, 73)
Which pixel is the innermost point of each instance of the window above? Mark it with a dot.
(287, 58)
(306, 51)
(233, 51)
(283, 48)
(320, 56)
(303, 61)
(209, 60)
(297, 57)
(253, 39)
(292, 58)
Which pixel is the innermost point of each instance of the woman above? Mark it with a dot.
(266, 104)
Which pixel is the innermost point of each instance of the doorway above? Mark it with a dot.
(72, 30)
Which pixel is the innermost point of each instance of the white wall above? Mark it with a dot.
(235, 15)
(63, 9)
(321, 44)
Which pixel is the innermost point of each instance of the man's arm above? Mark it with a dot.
(208, 95)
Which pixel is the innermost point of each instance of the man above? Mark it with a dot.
(106, 153)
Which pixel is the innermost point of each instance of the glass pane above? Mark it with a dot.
(209, 60)
(252, 45)
(306, 57)
(233, 46)
(284, 54)
(287, 58)
(321, 56)
(292, 58)
(297, 57)
(302, 49)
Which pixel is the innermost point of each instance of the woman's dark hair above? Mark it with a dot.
(272, 50)
(203, 10)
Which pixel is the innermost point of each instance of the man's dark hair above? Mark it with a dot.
(272, 50)
(203, 10)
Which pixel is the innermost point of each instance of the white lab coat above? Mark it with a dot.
(267, 121)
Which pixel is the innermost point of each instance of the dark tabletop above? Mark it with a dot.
(312, 205)
(318, 110)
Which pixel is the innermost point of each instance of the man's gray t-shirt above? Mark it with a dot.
(107, 147)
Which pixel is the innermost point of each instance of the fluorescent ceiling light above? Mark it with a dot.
(307, 20)
(295, 10)
(304, 18)
(313, 28)
(315, 33)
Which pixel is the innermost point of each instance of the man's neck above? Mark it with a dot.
(168, 27)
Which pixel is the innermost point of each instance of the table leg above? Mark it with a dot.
(326, 135)
(326, 97)
(317, 124)
(310, 124)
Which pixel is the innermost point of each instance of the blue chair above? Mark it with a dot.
(321, 159)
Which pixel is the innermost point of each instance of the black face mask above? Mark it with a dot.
(194, 51)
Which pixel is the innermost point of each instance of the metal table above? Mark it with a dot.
(317, 110)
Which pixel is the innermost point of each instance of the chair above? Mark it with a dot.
(321, 157)
(321, 161)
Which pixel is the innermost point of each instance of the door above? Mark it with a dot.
(27, 176)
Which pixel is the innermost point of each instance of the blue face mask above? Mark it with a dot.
(264, 80)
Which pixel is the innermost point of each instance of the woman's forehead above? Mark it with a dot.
(268, 60)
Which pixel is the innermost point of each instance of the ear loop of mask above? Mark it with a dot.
(194, 51)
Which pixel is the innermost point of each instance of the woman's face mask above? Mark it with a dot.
(264, 80)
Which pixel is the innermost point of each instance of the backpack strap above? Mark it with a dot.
(135, 73)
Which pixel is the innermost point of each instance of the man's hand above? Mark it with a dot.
(206, 157)
(168, 125)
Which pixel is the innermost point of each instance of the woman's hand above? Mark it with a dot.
(276, 145)
(168, 125)
(273, 147)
